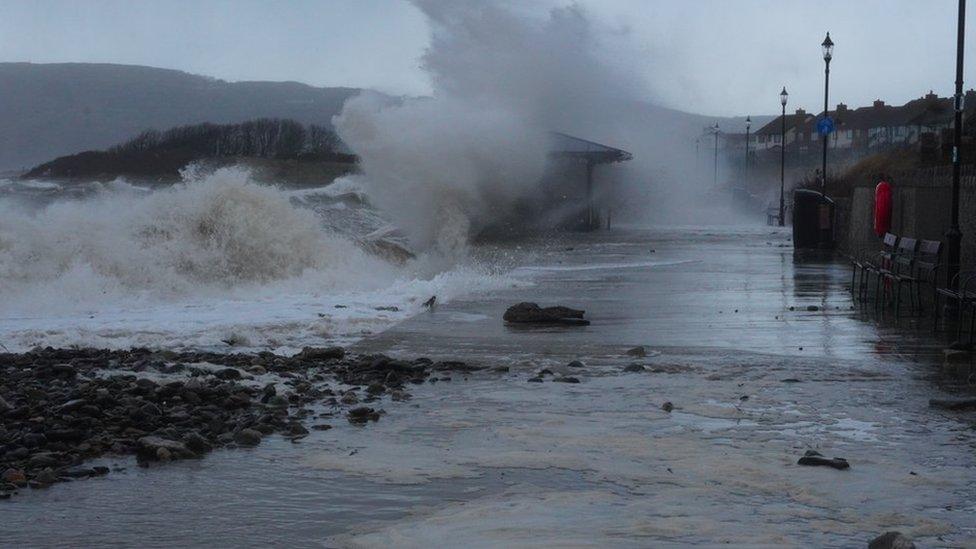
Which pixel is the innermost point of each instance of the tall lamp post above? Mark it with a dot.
(828, 54)
(748, 125)
(954, 235)
(715, 161)
(783, 96)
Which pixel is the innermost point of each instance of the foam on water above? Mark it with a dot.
(212, 259)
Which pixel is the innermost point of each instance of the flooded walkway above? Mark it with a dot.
(761, 355)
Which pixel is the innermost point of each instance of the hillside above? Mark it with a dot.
(51, 110)
(161, 156)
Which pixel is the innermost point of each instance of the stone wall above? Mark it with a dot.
(921, 209)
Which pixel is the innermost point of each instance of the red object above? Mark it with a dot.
(882, 208)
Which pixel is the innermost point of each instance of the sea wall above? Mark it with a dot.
(921, 208)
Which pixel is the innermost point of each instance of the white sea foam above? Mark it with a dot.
(212, 259)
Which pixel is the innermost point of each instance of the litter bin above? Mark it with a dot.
(813, 220)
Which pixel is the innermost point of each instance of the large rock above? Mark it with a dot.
(248, 437)
(891, 540)
(526, 312)
(152, 448)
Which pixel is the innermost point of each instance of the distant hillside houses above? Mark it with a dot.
(922, 123)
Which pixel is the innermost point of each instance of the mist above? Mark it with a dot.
(446, 166)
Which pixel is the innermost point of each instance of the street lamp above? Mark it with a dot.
(828, 54)
(954, 235)
(748, 125)
(715, 162)
(783, 96)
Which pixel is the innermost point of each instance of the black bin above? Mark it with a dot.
(813, 220)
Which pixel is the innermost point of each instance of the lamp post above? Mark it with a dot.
(748, 125)
(828, 54)
(954, 235)
(715, 161)
(783, 96)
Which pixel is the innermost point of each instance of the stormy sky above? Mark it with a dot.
(716, 57)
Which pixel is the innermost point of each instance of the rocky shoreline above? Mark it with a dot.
(61, 408)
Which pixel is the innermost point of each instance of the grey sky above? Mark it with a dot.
(709, 56)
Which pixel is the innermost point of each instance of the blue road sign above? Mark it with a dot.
(825, 126)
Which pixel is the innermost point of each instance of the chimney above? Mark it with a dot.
(801, 113)
(931, 96)
(841, 108)
(878, 103)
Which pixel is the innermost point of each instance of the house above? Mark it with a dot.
(769, 136)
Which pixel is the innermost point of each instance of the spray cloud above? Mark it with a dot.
(447, 165)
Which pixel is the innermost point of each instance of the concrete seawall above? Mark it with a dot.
(921, 209)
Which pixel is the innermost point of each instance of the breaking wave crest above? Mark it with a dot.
(220, 232)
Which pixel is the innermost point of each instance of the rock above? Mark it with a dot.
(948, 404)
(637, 351)
(567, 379)
(268, 392)
(812, 308)
(375, 389)
(257, 370)
(349, 398)
(278, 401)
(363, 414)
(321, 353)
(46, 476)
(634, 368)
(16, 454)
(66, 435)
(536, 379)
(149, 449)
(248, 437)
(526, 312)
(813, 458)
(228, 374)
(196, 443)
(322, 427)
(15, 477)
(43, 459)
(891, 540)
(667, 406)
(576, 364)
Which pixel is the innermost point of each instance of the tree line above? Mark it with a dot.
(261, 138)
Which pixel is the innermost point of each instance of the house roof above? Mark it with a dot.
(774, 127)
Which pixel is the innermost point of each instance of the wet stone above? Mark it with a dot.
(814, 458)
(248, 437)
(891, 540)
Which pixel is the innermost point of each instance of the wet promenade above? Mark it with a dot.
(754, 375)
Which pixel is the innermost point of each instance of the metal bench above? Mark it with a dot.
(866, 267)
(924, 271)
(902, 269)
(962, 290)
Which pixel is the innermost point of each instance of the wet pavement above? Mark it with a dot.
(755, 375)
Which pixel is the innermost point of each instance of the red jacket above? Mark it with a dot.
(882, 208)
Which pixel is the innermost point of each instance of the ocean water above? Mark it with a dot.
(217, 258)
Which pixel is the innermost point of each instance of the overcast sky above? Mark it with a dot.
(720, 57)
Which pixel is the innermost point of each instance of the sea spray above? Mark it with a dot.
(216, 233)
